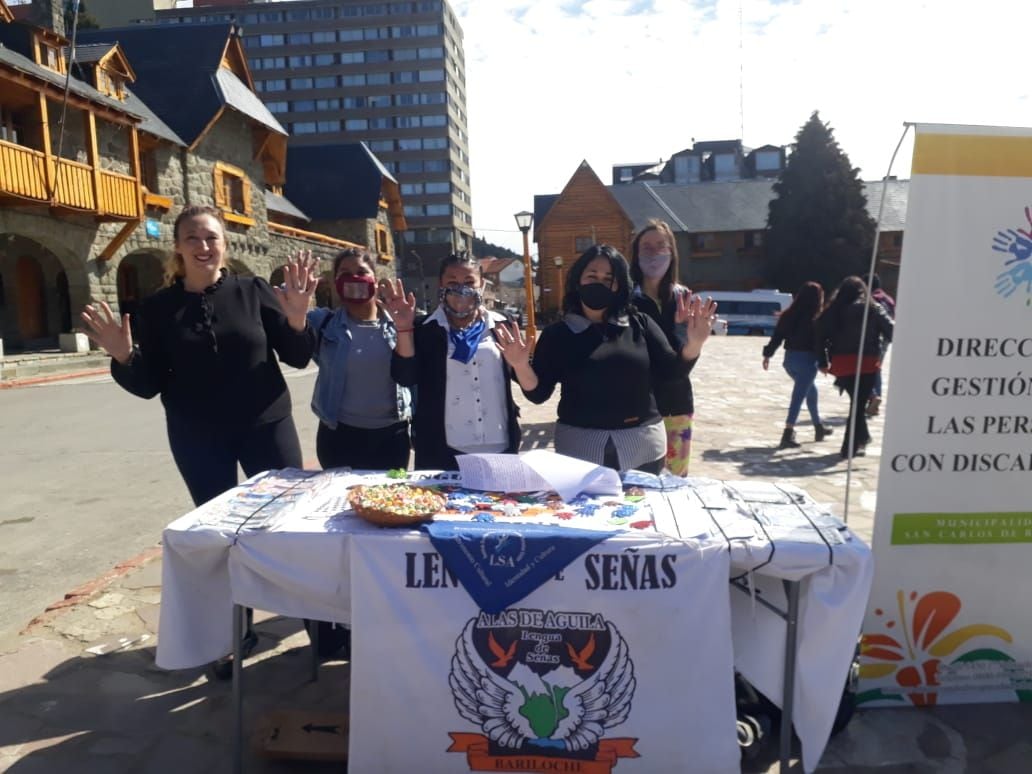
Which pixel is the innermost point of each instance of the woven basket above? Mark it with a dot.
(387, 518)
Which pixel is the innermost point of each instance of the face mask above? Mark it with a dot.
(460, 301)
(654, 266)
(597, 296)
(355, 288)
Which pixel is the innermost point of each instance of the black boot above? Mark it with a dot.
(788, 440)
(820, 432)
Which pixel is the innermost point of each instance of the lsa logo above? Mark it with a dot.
(543, 686)
(1016, 246)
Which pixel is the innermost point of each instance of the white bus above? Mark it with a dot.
(749, 314)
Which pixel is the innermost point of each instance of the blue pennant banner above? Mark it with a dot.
(500, 563)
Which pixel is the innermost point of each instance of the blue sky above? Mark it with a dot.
(610, 81)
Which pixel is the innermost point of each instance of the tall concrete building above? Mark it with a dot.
(391, 74)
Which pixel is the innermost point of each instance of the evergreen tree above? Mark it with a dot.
(483, 248)
(818, 227)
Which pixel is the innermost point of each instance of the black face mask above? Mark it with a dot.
(596, 296)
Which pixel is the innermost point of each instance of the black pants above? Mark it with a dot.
(859, 427)
(207, 455)
(612, 460)
(363, 449)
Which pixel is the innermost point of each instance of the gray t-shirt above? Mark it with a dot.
(370, 399)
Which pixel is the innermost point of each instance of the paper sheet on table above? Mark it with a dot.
(536, 471)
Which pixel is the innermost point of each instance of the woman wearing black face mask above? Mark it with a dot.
(606, 355)
(363, 414)
(453, 360)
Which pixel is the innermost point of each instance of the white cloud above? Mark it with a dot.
(551, 83)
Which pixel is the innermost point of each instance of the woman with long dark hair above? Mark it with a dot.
(607, 356)
(842, 343)
(795, 327)
(654, 270)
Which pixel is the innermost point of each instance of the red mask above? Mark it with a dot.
(355, 288)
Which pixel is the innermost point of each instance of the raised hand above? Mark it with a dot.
(104, 330)
(514, 346)
(698, 316)
(1018, 244)
(1009, 281)
(399, 305)
(301, 280)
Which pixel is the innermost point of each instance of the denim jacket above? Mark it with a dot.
(333, 342)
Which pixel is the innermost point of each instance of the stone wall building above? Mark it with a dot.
(155, 119)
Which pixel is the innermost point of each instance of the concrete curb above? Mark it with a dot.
(85, 591)
(28, 381)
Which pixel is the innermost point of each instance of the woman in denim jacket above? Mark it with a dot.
(363, 414)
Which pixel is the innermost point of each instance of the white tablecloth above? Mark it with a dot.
(297, 562)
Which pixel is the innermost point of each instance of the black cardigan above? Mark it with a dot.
(210, 355)
(427, 373)
(674, 396)
(607, 372)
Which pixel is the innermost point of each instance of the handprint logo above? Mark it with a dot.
(1017, 244)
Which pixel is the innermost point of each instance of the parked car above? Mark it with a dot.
(753, 313)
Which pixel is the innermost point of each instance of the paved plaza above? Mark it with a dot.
(79, 691)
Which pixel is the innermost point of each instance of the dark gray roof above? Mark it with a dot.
(89, 53)
(333, 182)
(739, 205)
(178, 74)
(151, 124)
(75, 86)
(281, 204)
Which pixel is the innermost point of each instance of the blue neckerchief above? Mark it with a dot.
(467, 340)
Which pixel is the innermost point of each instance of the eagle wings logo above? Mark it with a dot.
(551, 709)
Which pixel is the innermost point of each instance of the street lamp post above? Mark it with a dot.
(523, 221)
(558, 260)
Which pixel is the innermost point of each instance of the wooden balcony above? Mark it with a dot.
(24, 174)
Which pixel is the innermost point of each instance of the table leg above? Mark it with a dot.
(313, 635)
(238, 691)
(788, 691)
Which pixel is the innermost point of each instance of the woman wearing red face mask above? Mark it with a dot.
(363, 414)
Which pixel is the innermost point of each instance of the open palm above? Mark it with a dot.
(105, 330)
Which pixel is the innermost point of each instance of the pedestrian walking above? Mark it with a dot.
(889, 303)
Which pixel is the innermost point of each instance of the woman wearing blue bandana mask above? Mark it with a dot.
(464, 396)
(607, 356)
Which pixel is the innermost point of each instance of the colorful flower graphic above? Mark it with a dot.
(925, 645)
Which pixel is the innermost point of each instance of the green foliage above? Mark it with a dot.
(818, 227)
(482, 249)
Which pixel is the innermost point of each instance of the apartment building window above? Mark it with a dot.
(303, 105)
(325, 36)
(399, 8)
(326, 82)
(378, 79)
(300, 83)
(345, 36)
(405, 54)
(352, 57)
(356, 124)
(403, 31)
(381, 145)
(435, 120)
(433, 98)
(435, 165)
(375, 9)
(265, 41)
(410, 166)
(411, 189)
(435, 143)
(232, 193)
(429, 30)
(438, 188)
(406, 122)
(431, 52)
(324, 13)
(356, 79)
(277, 107)
(303, 127)
(379, 55)
(299, 38)
(404, 76)
(403, 100)
(437, 210)
(248, 18)
(431, 76)
(323, 60)
(410, 144)
(376, 33)
(329, 126)
(327, 104)
(380, 123)
(274, 62)
(301, 61)
(301, 15)
(414, 210)
(272, 17)
(353, 102)
(276, 84)
(379, 100)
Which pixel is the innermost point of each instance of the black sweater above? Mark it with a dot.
(427, 372)
(673, 396)
(838, 331)
(799, 335)
(210, 355)
(606, 379)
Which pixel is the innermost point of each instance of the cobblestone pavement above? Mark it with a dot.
(79, 691)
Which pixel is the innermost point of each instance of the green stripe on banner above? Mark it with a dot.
(911, 529)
